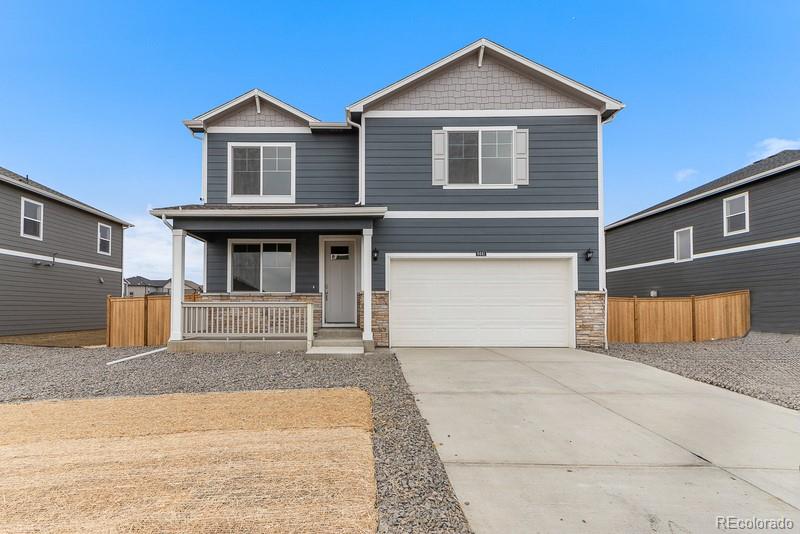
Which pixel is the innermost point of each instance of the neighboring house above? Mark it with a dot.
(59, 259)
(741, 231)
(461, 205)
(139, 286)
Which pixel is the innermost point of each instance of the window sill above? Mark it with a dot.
(737, 232)
(683, 261)
(104, 253)
(479, 186)
(259, 199)
(26, 236)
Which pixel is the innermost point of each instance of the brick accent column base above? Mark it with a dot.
(590, 319)
(380, 316)
(313, 298)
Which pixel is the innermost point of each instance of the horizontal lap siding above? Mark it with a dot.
(774, 208)
(68, 232)
(492, 235)
(53, 299)
(326, 165)
(562, 159)
(771, 275)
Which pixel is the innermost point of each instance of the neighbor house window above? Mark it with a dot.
(31, 219)
(483, 157)
(261, 172)
(684, 249)
(263, 266)
(736, 214)
(104, 239)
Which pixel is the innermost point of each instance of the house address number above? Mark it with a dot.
(480, 253)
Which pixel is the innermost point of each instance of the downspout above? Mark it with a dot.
(361, 163)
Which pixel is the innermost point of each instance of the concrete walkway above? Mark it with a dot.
(561, 440)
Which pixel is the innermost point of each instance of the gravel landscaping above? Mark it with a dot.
(414, 493)
(764, 366)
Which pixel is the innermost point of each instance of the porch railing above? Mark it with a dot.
(255, 320)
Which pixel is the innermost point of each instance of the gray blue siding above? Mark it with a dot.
(63, 297)
(562, 159)
(491, 235)
(326, 165)
(772, 274)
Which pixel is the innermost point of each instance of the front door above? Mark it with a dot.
(340, 282)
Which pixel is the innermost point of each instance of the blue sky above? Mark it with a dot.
(93, 93)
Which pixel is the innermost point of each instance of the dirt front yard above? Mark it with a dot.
(277, 461)
(77, 338)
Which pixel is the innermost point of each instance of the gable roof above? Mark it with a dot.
(764, 168)
(26, 183)
(608, 104)
(198, 123)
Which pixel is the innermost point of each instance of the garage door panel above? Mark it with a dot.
(489, 302)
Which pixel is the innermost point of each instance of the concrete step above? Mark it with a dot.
(337, 342)
(336, 350)
(338, 333)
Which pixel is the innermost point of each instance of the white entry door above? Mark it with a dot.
(463, 302)
(340, 282)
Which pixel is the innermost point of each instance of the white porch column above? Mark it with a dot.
(366, 281)
(176, 293)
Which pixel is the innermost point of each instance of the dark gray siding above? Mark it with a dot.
(562, 157)
(772, 276)
(774, 209)
(326, 165)
(53, 299)
(68, 232)
(491, 235)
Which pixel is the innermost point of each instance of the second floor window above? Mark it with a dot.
(261, 172)
(31, 219)
(103, 239)
(483, 157)
(684, 248)
(736, 214)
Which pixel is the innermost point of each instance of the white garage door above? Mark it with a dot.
(464, 302)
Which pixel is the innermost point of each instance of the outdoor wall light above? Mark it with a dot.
(588, 254)
(374, 254)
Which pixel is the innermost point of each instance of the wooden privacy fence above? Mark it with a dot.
(138, 321)
(677, 319)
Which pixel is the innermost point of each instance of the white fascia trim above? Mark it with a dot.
(712, 253)
(507, 214)
(705, 194)
(610, 103)
(252, 94)
(571, 256)
(267, 212)
(555, 112)
(259, 129)
(28, 255)
(47, 194)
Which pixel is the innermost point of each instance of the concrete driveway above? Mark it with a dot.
(562, 440)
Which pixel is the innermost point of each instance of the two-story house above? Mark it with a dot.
(459, 206)
(59, 259)
(740, 231)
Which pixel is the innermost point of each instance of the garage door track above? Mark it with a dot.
(549, 440)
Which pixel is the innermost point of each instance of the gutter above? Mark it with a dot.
(362, 182)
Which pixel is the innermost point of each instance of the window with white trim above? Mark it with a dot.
(31, 223)
(103, 239)
(261, 172)
(736, 214)
(684, 246)
(262, 266)
(480, 157)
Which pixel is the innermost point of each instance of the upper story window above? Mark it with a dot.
(480, 157)
(261, 172)
(736, 214)
(31, 223)
(684, 246)
(103, 239)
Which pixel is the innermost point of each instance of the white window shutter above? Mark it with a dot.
(439, 157)
(521, 157)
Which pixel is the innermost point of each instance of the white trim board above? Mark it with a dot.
(705, 194)
(49, 259)
(468, 113)
(571, 256)
(712, 253)
(259, 129)
(355, 211)
(505, 214)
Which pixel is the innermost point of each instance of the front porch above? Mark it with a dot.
(275, 283)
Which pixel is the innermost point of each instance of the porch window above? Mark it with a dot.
(261, 172)
(262, 266)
